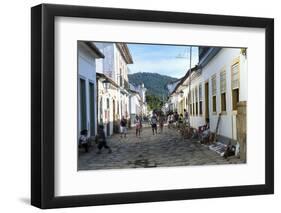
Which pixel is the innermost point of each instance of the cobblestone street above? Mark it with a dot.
(161, 150)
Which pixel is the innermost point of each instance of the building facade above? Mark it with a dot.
(113, 102)
(88, 53)
(138, 105)
(107, 95)
(214, 89)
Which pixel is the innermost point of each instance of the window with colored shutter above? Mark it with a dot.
(235, 85)
(214, 85)
(214, 92)
(200, 100)
(223, 90)
(235, 75)
(223, 81)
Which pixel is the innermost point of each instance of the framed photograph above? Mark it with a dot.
(136, 106)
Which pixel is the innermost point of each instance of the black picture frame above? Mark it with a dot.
(43, 105)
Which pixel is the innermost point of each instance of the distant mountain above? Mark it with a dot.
(154, 82)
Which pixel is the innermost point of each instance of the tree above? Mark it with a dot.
(154, 102)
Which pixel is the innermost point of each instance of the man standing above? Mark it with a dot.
(153, 123)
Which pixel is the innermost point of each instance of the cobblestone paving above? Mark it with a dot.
(161, 150)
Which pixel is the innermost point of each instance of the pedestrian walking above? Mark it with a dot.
(186, 116)
(138, 124)
(153, 123)
(176, 118)
(123, 127)
(161, 122)
(102, 140)
(170, 120)
(180, 121)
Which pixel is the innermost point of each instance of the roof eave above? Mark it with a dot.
(125, 52)
(94, 48)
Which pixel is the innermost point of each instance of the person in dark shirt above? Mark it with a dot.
(123, 127)
(186, 116)
(102, 140)
(84, 140)
(176, 117)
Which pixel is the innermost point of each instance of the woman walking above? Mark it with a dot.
(138, 125)
(161, 122)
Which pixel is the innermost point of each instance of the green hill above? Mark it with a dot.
(154, 82)
(155, 85)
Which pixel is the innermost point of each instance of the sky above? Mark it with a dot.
(167, 60)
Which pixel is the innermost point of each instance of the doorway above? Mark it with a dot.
(92, 108)
(83, 106)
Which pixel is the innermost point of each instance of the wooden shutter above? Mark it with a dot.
(200, 92)
(235, 76)
(223, 81)
(214, 85)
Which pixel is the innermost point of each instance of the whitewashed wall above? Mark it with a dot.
(106, 65)
(111, 94)
(135, 104)
(223, 60)
(113, 66)
(87, 72)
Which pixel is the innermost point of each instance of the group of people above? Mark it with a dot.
(84, 140)
(157, 119)
(178, 119)
(154, 121)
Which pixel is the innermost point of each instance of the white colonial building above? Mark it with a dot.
(172, 103)
(107, 96)
(218, 86)
(138, 105)
(113, 101)
(88, 53)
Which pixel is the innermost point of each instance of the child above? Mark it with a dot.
(84, 140)
(102, 140)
